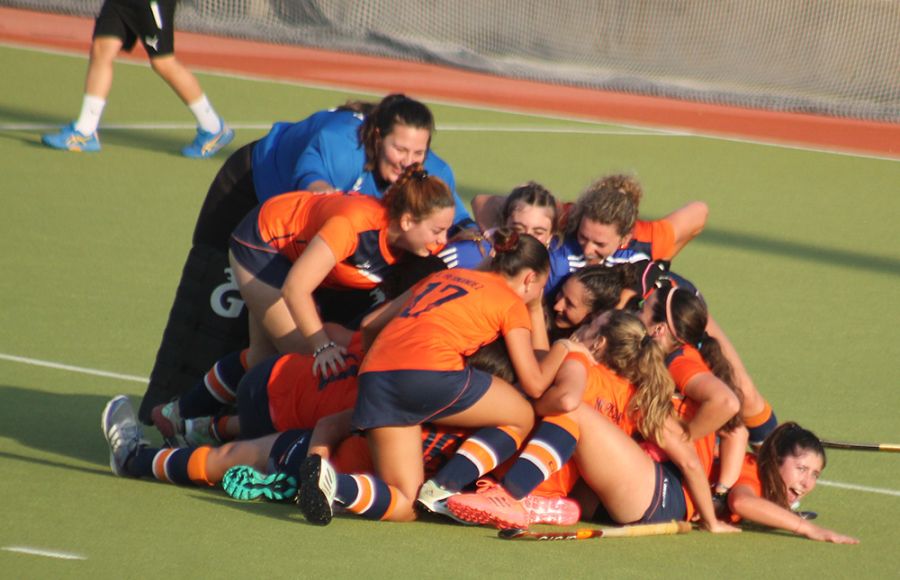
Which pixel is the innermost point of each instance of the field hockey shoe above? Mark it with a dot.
(70, 139)
(318, 486)
(490, 505)
(122, 431)
(207, 144)
(167, 420)
(201, 431)
(433, 499)
(247, 484)
(557, 511)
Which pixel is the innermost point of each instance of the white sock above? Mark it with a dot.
(206, 116)
(91, 110)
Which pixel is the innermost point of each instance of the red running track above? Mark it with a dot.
(448, 84)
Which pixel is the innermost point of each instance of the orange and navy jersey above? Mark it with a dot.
(438, 445)
(608, 394)
(353, 226)
(449, 315)
(297, 398)
(649, 241)
(749, 476)
(684, 363)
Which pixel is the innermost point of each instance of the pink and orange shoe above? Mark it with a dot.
(557, 511)
(490, 505)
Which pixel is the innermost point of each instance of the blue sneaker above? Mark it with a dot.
(208, 144)
(246, 484)
(69, 139)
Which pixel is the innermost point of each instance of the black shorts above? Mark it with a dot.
(153, 22)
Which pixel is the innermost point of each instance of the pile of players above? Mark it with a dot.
(539, 363)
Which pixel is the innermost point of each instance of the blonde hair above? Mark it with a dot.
(633, 354)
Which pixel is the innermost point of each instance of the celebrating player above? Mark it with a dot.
(445, 317)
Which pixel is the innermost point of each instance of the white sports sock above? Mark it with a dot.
(206, 116)
(91, 110)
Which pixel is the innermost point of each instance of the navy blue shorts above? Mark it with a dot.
(288, 451)
(253, 400)
(399, 398)
(254, 254)
(668, 498)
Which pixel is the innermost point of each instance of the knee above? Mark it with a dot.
(164, 65)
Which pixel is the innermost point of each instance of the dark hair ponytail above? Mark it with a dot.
(395, 109)
(686, 316)
(417, 193)
(513, 252)
(787, 439)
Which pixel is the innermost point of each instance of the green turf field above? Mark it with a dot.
(800, 263)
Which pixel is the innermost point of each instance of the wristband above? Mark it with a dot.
(323, 348)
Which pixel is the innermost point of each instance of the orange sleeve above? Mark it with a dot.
(660, 234)
(686, 366)
(516, 317)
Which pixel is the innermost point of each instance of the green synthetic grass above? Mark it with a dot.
(800, 263)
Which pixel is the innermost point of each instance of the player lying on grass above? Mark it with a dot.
(444, 318)
(265, 467)
(629, 389)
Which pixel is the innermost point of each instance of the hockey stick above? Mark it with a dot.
(662, 529)
(891, 447)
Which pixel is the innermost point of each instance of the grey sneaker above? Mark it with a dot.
(318, 487)
(198, 432)
(433, 499)
(122, 431)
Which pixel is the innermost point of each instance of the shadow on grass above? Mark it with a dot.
(65, 424)
(146, 139)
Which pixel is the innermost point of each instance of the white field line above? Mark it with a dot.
(649, 131)
(854, 487)
(100, 373)
(45, 553)
(74, 369)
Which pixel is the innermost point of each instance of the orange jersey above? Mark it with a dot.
(297, 398)
(449, 316)
(750, 477)
(353, 226)
(685, 363)
(608, 394)
(658, 236)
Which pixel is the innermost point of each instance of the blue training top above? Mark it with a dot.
(325, 146)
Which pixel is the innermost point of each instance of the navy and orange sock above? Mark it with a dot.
(366, 496)
(218, 389)
(178, 465)
(479, 454)
(548, 450)
(761, 424)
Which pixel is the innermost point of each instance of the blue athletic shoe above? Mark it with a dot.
(246, 484)
(69, 139)
(208, 144)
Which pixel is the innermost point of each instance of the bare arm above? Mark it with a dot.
(688, 222)
(534, 376)
(746, 504)
(716, 404)
(305, 276)
(320, 186)
(329, 432)
(566, 392)
(732, 448)
(486, 209)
